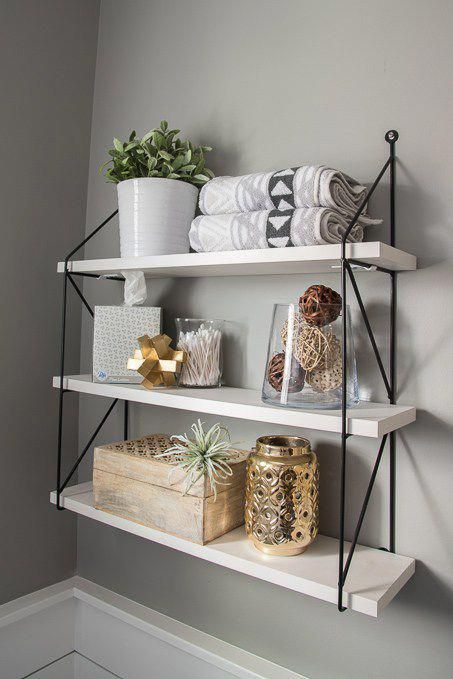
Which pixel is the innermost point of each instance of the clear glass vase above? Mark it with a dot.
(304, 361)
(201, 338)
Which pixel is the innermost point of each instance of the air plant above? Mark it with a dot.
(205, 453)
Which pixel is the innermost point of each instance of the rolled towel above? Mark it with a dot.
(296, 187)
(271, 229)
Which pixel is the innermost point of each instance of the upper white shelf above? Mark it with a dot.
(365, 419)
(374, 578)
(309, 259)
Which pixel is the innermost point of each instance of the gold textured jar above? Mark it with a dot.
(281, 507)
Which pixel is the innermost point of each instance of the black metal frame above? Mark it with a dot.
(347, 264)
(68, 276)
(391, 138)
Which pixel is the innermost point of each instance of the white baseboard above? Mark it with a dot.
(126, 638)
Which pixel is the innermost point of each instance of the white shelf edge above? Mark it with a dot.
(375, 576)
(366, 419)
(308, 259)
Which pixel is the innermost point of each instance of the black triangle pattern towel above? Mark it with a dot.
(278, 228)
(281, 189)
(281, 192)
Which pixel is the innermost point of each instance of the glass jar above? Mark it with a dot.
(304, 360)
(201, 338)
(281, 501)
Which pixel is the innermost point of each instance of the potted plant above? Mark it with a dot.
(157, 179)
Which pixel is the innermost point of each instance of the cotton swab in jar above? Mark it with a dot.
(202, 368)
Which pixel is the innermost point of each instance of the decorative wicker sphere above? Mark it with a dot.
(312, 347)
(320, 305)
(332, 353)
(326, 379)
(275, 372)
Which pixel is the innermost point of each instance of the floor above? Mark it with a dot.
(72, 666)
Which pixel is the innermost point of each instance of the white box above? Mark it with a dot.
(116, 329)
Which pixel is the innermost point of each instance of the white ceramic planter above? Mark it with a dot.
(155, 216)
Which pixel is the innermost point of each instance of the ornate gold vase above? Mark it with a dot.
(281, 509)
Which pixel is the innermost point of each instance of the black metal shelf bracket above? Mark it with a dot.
(347, 272)
(68, 276)
(389, 379)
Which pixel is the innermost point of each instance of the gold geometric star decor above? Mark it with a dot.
(156, 361)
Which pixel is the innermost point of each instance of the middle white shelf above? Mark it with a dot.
(366, 419)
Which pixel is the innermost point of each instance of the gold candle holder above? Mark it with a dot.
(281, 510)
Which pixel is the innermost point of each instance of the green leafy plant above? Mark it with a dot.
(206, 453)
(160, 153)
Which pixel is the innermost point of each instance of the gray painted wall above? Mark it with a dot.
(271, 85)
(47, 60)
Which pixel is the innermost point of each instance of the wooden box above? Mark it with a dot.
(130, 482)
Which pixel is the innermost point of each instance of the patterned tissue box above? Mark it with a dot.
(116, 329)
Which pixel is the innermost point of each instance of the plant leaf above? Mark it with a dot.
(160, 153)
(165, 154)
(147, 136)
(159, 139)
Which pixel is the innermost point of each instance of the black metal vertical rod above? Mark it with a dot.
(85, 450)
(126, 420)
(364, 507)
(369, 330)
(61, 385)
(391, 137)
(344, 434)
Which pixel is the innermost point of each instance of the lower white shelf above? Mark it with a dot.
(374, 578)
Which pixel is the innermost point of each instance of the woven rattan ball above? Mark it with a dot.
(320, 305)
(275, 371)
(312, 347)
(326, 379)
(332, 351)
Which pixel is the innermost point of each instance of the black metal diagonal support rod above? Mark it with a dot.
(87, 447)
(67, 276)
(364, 507)
(98, 276)
(343, 569)
(369, 330)
(81, 295)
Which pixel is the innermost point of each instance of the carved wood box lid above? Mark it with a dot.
(136, 459)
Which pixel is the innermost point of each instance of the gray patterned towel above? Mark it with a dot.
(271, 229)
(295, 187)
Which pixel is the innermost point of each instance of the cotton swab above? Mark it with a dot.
(202, 368)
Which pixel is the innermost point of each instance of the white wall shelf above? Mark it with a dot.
(366, 419)
(375, 576)
(374, 579)
(299, 260)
